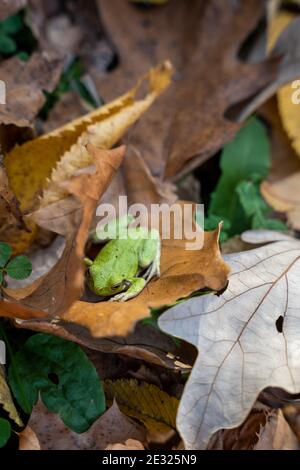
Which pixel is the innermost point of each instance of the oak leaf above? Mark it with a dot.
(247, 338)
(46, 431)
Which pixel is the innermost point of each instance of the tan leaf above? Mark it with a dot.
(284, 196)
(25, 82)
(130, 444)
(56, 291)
(147, 403)
(276, 434)
(46, 431)
(247, 338)
(182, 273)
(6, 399)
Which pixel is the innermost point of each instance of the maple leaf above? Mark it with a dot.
(247, 338)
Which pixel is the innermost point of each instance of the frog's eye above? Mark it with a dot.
(117, 286)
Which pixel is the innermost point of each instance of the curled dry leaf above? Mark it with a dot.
(199, 113)
(276, 434)
(64, 152)
(284, 196)
(247, 338)
(6, 400)
(286, 25)
(46, 431)
(54, 292)
(182, 273)
(145, 343)
(263, 429)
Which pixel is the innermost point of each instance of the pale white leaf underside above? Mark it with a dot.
(241, 348)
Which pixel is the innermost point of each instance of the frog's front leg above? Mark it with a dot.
(137, 285)
(150, 257)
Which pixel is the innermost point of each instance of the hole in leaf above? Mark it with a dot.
(279, 323)
(53, 378)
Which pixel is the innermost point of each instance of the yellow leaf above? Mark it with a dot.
(147, 403)
(44, 162)
(6, 399)
(289, 111)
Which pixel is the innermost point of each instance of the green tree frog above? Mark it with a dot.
(123, 267)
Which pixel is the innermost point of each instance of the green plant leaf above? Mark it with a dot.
(5, 253)
(63, 375)
(19, 267)
(245, 158)
(256, 208)
(5, 431)
(7, 45)
(12, 25)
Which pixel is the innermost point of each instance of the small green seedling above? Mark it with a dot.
(16, 267)
(8, 28)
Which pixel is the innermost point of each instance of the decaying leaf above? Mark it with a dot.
(147, 403)
(64, 150)
(46, 431)
(198, 114)
(247, 338)
(276, 434)
(55, 292)
(130, 444)
(284, 196)
(288, 24)
(9, 7)
(9, 207)
(6, 400)
(25, 82)
(182, 273)
(263, 429)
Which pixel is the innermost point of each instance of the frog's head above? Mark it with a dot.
(106, 285)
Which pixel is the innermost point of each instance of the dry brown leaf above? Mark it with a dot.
(182, 273)
(191, 122)
(130, 444)
(284, 196)
(243, 437)
(9, 207)
(25, 83)
(47, 431)
(145, 343)
(288, 109)
(145, 402)
(276, 434)
(263, 429)
(6, 400)
(55, 292)
(9, 7)
(284, 160)
(64, 153)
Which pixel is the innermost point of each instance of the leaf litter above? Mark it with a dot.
(167, 117)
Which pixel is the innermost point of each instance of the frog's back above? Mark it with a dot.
(117, 253)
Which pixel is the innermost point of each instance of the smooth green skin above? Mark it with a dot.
(115, 270)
